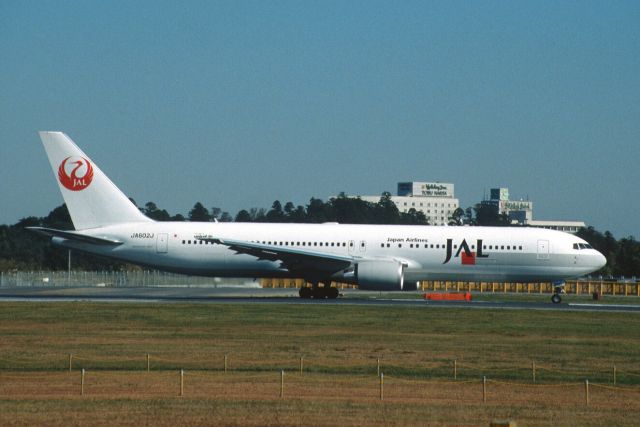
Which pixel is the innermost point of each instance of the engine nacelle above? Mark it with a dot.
(381, 275)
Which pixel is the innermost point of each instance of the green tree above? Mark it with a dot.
(457, 217)
(199, 213)
(275, 214)
(350, 210)
(386, 211)
(487, 215)
(413, 217)
(319, 212)
(243, 216)
(153, 212)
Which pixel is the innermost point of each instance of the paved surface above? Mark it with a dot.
(237, 295)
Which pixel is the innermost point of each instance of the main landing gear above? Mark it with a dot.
(317, 292)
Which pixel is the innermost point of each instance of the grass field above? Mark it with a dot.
(340, 345)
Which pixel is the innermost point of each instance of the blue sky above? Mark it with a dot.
(236, 104)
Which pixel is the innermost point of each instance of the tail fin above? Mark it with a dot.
(92, 199)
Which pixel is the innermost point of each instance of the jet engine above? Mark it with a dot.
(381, 275)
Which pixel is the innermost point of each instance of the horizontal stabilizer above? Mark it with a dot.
(72, 235)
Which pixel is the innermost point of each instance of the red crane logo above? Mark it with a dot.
(80, 176)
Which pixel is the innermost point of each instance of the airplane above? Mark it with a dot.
(373, 257)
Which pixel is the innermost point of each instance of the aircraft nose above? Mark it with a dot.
(600, 261)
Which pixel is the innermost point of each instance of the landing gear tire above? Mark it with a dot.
(333, 293)
(319, 293)
(556, 299)
(306, 293)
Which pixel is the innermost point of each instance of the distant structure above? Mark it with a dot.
(520, 212)
(435, 199)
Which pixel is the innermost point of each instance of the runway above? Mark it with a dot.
(244, 295)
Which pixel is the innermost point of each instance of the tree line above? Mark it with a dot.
(24, 250)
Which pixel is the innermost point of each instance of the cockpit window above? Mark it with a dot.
(579, 246)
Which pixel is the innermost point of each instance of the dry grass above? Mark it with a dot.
(339, 386)
(134, 398)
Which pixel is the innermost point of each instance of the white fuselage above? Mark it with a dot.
(503, 254)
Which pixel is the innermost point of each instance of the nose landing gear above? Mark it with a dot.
(558, 290)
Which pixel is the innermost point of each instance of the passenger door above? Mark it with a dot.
(543, 249)
(162, 245)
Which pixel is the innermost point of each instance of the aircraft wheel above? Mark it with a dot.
(333, 293)
(305, 292)
(319, 293)
(556, 299)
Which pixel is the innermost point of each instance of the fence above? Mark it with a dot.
(577, 287)
(158, 376)
(161, 279)
(113, 279)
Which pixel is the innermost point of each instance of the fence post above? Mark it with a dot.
(484, 389)
(282, 384)
(148, 362)
(381, 386)
(533, 371)
(70, 359)
(614, 374)
(378, 366)
(301, 365)
(82, 383)
(181, 382)
(225, 363)
(455, 369)
(586, 392)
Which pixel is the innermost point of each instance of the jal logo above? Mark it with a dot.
(75, 173)
(467, 256)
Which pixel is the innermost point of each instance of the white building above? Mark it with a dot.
(521, 212)
(436, 200)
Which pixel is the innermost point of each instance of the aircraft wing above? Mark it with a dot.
(74, 235)
(293, 259)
